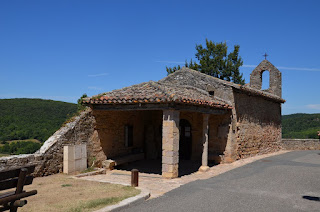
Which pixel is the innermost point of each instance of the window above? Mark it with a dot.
(211, 93)
(265, 80)
(128, 132)
(210, 90)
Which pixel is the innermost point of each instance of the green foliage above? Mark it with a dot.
(301, 125)
(32, 118)
(214, 61)
(80, 105)
(20, 147)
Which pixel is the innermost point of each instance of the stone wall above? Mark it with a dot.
(49, 159)
(147, 130)
(258, 125)
(219, 126)
(300, 144)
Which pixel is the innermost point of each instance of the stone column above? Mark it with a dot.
(205, 141)
(170, 143)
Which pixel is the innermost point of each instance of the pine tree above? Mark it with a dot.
(214, 61)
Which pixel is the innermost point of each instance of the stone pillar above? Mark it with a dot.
(170, 143)
(205, 141)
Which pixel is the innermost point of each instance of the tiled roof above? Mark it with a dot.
(256, 92)
(185, 86)
(188, 76)
(155, 92)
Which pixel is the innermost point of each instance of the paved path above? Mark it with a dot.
(287, 182)
(159, 186)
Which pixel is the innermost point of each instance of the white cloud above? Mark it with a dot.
(287, 68)
(167, 61)
(94, 88)
(98, 75)
(249, 66)
(314, 106)
(298, 69)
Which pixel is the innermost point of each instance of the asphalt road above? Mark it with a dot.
(287, 182)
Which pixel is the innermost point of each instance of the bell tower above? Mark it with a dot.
(275, 81)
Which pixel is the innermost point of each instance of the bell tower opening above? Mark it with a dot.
(265, 78)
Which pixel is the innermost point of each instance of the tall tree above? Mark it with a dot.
(215, 61)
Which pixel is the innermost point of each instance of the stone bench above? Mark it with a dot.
(111, 163)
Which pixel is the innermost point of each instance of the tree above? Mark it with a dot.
(214, 61)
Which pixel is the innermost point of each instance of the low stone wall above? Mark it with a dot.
(300, 144)
(49, 159)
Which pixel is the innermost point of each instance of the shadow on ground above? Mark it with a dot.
(312, 198)
(186, 167)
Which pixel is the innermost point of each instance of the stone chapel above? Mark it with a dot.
(190, 116)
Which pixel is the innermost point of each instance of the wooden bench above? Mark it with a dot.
(110, 163)
(15, 178)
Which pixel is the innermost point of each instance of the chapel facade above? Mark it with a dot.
(191, 116)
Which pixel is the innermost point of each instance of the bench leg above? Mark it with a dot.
(13, 208)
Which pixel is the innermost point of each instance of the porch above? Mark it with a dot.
(174, 142)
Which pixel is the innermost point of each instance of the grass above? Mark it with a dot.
(97, 203)
(4, 155)
(61, 193)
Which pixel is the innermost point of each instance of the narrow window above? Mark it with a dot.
(265, 80)
(128, 131)
(210, 90)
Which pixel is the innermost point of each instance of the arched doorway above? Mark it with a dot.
(185, 143)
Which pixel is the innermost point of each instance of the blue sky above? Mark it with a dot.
(62, 49)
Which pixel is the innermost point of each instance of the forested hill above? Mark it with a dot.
(39, 119)
(32, 118)
(300, 125)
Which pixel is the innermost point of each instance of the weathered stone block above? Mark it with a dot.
(170, 153)
(170, 175)
(170, 168)
(170, 146)
(68, 153)
(74, 161)
(170, 160)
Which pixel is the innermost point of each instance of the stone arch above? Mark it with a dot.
(275, 80)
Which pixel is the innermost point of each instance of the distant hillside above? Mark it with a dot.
(300, 125)
(32, 118)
